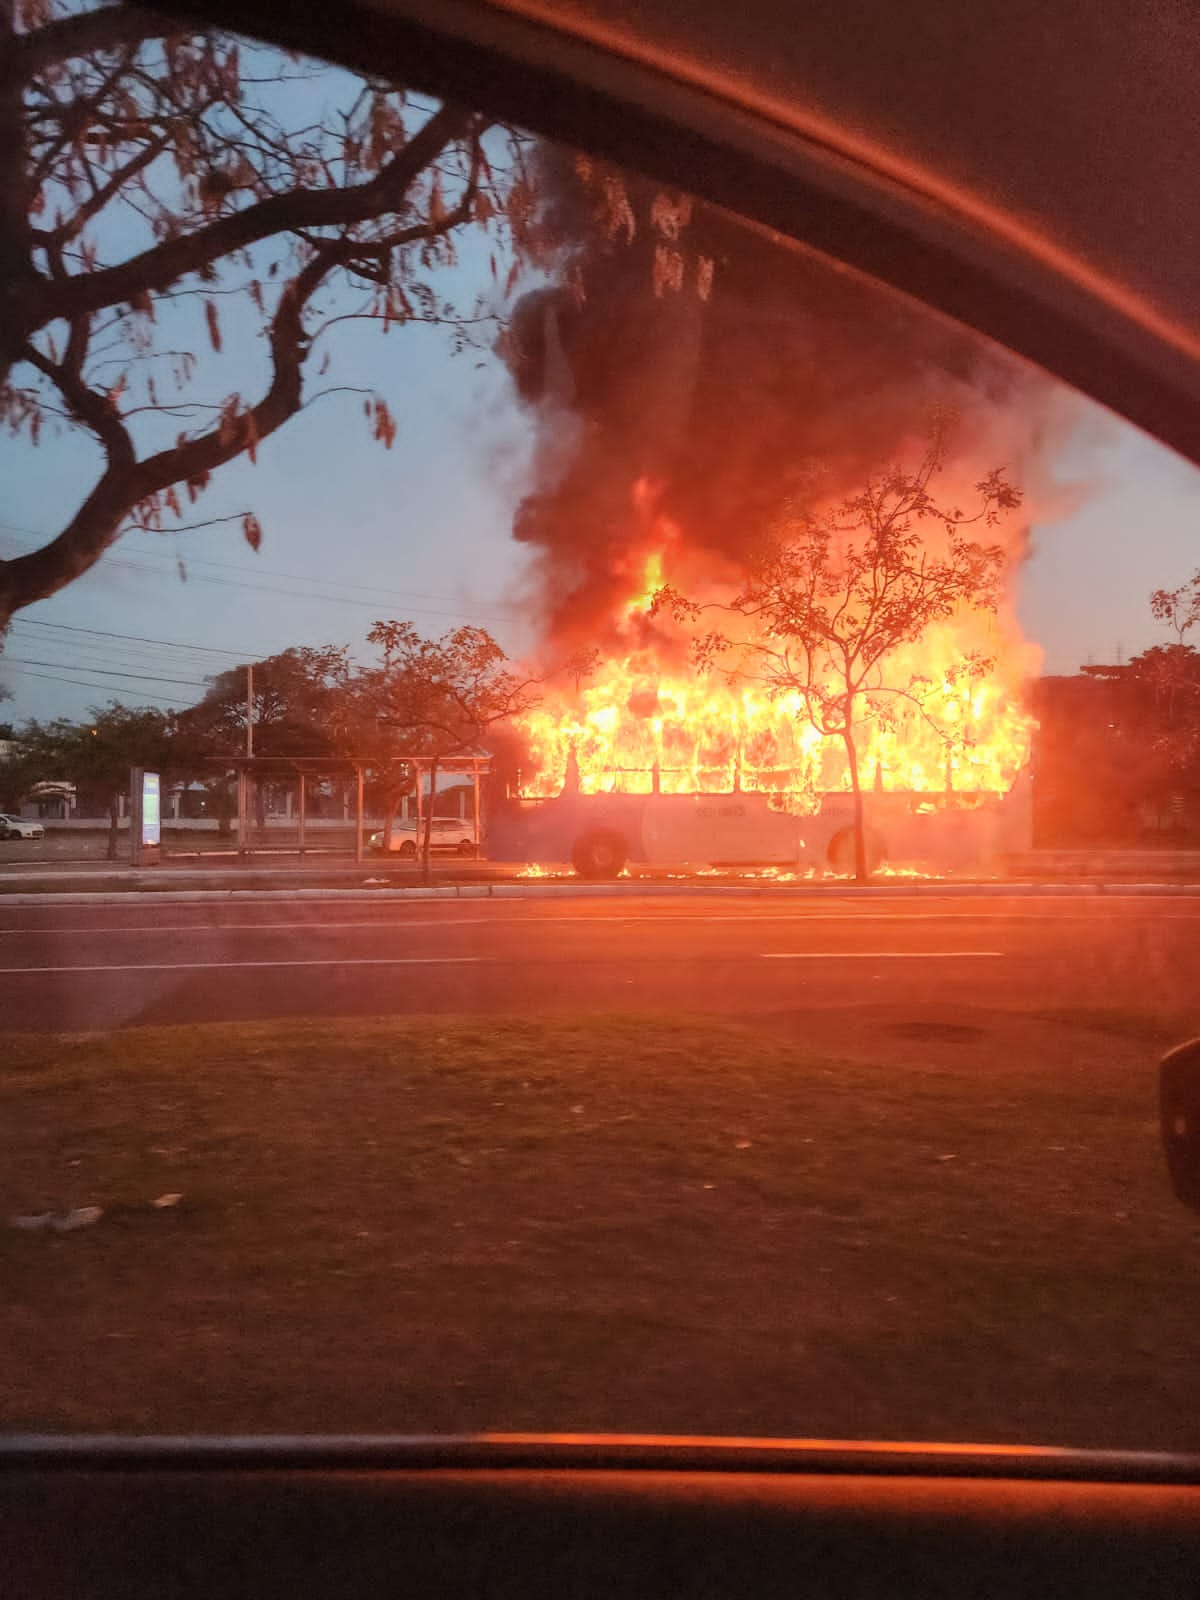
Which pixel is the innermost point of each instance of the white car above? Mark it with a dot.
(449, 834)
(20, 828)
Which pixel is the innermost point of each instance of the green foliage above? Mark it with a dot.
(298, 706)
(96, 754)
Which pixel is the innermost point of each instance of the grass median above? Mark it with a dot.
(621, 1223)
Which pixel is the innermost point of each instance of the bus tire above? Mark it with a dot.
(599, 855)
(840, 854)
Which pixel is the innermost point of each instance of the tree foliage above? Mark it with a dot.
(1129, 759)
(832, 597)
(297, 701)
(1178, 609)
(166, 189)
(431, 697)
(96, 755)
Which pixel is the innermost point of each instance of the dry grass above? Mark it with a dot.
(665, 1224)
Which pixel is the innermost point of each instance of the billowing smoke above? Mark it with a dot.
(679, 350)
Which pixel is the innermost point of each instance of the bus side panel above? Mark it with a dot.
(932, 833)
(706, 830)
(546, 832)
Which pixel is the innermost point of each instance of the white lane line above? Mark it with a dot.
(881, 955)
(493, 961)
(201, 966)
(532, 920)
(262, 927)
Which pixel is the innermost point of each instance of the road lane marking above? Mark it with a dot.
(497, 961)
(880, 955)
(263, 927)
(299, 961)
(531, 920)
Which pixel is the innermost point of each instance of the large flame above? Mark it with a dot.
(647, 721)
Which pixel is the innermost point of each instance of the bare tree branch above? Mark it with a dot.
(108, 27)
(161, 265)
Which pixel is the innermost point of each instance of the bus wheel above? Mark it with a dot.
(841, 851)
(599, 855)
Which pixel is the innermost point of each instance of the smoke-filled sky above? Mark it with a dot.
(726, 378)
(720, 395)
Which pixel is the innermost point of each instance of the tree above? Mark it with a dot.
(434, 698)
(98, 754)
(833, 596)
(1170, 674)
(1153, 712)
(1167, 684)
(1178, 609)
(295, 701)
(161, 181)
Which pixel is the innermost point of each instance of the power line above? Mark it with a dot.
(75, 652)
(104, 633)
(511, 614)
(89, 659)
(82, 683)
(107, 672)
(300, 594)
(300, 577)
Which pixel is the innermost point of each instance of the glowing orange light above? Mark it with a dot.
(648, 722)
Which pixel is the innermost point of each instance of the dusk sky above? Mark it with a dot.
(354, 532)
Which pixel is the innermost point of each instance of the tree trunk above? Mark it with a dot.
(114, 824)
(861, 872)
(427, 842)
(17, 274)
(223, 802)
(391, 801)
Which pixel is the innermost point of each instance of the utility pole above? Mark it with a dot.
(244, 772)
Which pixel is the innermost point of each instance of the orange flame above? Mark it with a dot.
(648, 721)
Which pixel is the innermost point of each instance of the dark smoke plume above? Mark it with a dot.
(719, 367)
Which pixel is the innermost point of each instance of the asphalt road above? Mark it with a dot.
(66, 967)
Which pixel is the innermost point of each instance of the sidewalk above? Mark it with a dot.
(100, 882)
(201, 874)
(194, 876)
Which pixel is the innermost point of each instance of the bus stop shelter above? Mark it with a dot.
(302, 770)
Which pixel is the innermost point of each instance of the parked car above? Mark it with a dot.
(20, 828)
(449, 833)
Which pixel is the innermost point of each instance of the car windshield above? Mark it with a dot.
(603, 815)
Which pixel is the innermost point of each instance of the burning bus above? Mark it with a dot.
(650, 761)
(693, 397)
(604, 832)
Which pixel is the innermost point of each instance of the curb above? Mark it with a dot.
(620, 891)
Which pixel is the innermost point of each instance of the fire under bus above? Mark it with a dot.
(635, 820)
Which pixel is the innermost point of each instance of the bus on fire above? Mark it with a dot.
(602, 832)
